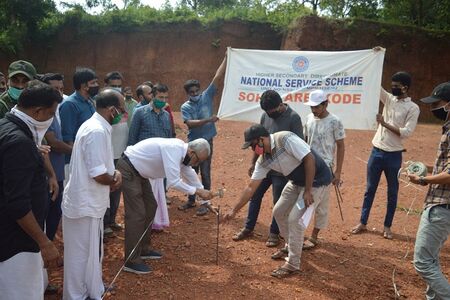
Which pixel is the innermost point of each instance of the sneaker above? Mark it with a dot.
(137, 268)
(202, 210)
(152, 254)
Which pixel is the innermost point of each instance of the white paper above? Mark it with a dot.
(307, 216)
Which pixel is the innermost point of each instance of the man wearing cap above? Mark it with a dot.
(19, 73)
(325, 134)
(277, 116)
(434, 226)
(308, 175)
(398, 121)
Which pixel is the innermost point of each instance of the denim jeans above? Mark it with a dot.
(432, 233)
(389, 163)
(278, 183)
(205, 172)
(54, 213)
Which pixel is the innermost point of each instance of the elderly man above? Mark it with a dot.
(286, 153)
(152, 159)
(86, 198)
(24, 194)
(434, 226)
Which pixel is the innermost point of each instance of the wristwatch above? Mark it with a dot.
(422, 180)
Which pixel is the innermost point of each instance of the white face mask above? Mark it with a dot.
(38, 129)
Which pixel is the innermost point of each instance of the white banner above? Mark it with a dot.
(351, 79)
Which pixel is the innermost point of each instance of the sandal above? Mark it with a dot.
(360, 228)
(186, 206)
(273, 240)
(310, 243)
(283, 272)
(202, 210)
(280, 254)
(242, 235)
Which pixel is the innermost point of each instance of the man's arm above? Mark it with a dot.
(245, 197)
(310, 171)
(297, 126)
(220, 71)
(340, 152)
(441, 178)
(57, 145)
(68, 122)
(198, 123)
(410, 124)
(53, 186)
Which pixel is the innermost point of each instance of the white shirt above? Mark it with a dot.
(119, 138)
(91, 156)
(322, 135)
(163, 158)
(402, 114)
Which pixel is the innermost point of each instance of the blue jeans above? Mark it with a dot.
(432, 233)
(278, 183)
(205, 172)
(54, 213)
(389, 163)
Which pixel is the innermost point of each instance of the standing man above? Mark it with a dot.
(276, 117)
(434, 226)
(286, 153)
(3, 85)
(197, 114)
(130, 104)
(155, 158)
(86, 197)
(19, 73)
(119, 136)
(144, 92)
(25, 249)
(325, 134)
(398, 121)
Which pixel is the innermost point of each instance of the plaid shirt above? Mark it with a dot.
(440, 193)
(147, 123)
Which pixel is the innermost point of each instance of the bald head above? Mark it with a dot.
(107, 98)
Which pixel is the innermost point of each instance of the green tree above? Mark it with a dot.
(368, 9)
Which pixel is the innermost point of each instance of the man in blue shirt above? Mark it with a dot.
(198, 115)
(79, 106)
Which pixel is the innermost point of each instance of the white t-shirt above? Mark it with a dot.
(322, 135)
(92, 156)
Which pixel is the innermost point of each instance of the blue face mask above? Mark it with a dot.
(194, 98)
(14, 93)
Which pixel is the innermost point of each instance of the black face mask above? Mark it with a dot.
(440, 113)
(186, 160)
(93, 90)
(274, 114)
(396, 91)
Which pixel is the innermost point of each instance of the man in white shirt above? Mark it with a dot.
(325, 134)
(86, 198)
(286, 153)
(398, 121)
(155, 158)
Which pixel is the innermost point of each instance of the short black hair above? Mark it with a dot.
(38, 94)
(149, 83)
(82, 75)
(51, 76)
(107, 98)
(140, 89)
(126, 89)
(160, 88)
(190, 83)
(403, 77)
(113, 76)
(270, 99)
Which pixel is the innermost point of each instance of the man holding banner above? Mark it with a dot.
(398, 121)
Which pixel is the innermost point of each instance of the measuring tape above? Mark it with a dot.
(414, 167)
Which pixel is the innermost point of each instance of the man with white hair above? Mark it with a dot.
(155, 158)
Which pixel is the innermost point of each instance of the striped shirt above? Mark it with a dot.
(440, 193)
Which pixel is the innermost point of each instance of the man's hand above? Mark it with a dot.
(50, 255)
(308, 198)
(380, 119)
(227, 217)
(414, 178)
(44, 149)
(337, 180)
(204, 194)
(53, 187)
(377, 48)
(214, 119)
(118, 181)
(250, 170)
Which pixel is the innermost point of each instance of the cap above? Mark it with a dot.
(316, 97)
(441, 92)
(22, 67)
(252, 133)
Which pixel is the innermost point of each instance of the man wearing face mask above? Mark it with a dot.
(25, 248)
(130, 104)
(197, 113)
(434, 227)
(277, 116)
(86, 198)
(398, 121)
(155, 158)
(3, 85)
(308, 175)
(19, 73)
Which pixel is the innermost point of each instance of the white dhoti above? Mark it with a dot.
(161, 220)
(83, 254)
(21, 277)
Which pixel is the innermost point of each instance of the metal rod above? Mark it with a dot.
(336, 189)
(217, 235)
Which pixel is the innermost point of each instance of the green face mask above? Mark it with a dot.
(158, 103)
(14, 93)
(117, 118)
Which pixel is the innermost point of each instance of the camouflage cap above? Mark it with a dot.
(22, 67)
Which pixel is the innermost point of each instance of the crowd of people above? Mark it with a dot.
(78, 154)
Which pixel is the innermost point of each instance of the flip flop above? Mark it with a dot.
(310, 243)
(242, 235)
(358, 229)
(283, 272)
(280, 254)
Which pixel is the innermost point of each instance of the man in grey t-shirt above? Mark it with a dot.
(276, 117)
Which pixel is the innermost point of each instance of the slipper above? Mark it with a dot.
(360, 228)
(310, 243)
(283, 272)
(280, 254)
(242, 235)
(186, 205)
(273, 240)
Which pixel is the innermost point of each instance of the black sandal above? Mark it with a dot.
(187, 205)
